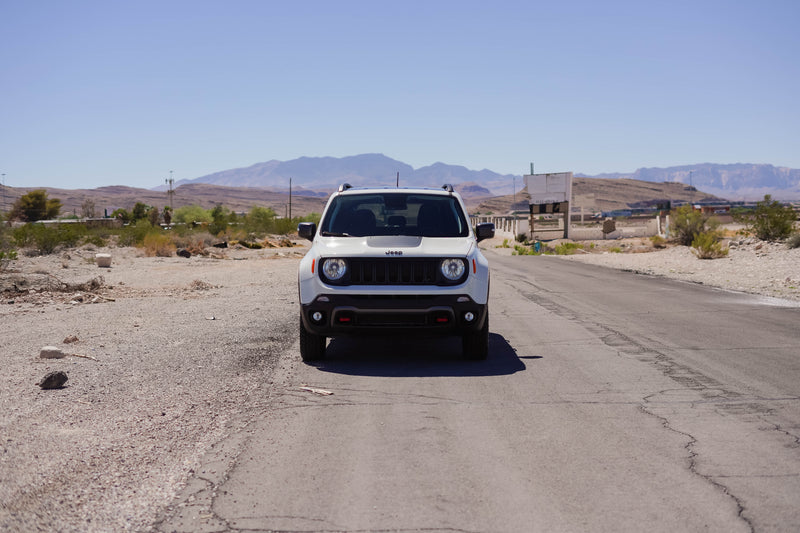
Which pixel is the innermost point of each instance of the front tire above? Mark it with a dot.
(475, 346)
(312, 346)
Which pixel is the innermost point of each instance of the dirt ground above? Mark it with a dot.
(175, 351)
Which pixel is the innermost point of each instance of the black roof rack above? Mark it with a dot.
(344, 187)
(448, 187)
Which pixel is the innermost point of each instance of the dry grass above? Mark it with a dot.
(157, 245)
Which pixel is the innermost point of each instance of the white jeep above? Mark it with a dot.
(394, 261)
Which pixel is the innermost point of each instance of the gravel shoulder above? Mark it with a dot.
(178, 351)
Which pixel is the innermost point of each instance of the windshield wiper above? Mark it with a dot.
(334, 234)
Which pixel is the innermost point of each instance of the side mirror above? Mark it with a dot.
(307, 230)
(484, 231)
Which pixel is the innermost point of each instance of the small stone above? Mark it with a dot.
(51, 352)
(183, 252)
(53, 380)
(70, 339)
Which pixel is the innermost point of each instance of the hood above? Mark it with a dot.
(409, 245)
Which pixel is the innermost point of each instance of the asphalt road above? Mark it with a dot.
(610, 402)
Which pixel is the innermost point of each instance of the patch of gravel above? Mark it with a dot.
(752, 266)
(176, 351)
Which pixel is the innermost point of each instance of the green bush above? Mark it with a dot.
(793, 241)
(34, 206)
(134, 234)
(47, 238)
(567, 248)
(770, 220)
(708, 246)
(7, 254)
(191, 213)
(687, 224)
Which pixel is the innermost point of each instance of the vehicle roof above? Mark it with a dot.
(426, 190)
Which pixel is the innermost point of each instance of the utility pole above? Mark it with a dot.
(3, 183)
(290, 198)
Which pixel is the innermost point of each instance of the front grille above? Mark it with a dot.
(394, 271)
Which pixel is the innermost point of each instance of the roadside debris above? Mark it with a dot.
(321, 392)
(103, 260)
(183, 252)
(53, 380)
(53, 352)
(70, 339)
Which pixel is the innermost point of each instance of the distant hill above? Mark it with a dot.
(738, 181)
(318, 176)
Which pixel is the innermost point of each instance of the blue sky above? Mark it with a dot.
(120, 93)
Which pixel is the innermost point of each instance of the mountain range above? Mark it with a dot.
(317, 176)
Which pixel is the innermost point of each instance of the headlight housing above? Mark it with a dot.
(453, 269)
(334, 269)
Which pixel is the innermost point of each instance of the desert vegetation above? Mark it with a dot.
(157, 232)
(769, 221)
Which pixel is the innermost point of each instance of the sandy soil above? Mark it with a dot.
(181, 351)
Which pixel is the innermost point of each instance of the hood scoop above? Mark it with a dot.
(394, 241)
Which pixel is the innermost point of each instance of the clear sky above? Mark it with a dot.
(104, 93)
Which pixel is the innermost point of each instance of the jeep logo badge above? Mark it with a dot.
(394, 252)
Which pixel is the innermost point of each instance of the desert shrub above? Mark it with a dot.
(658, 241)
(219, 220)
(196, 238)
(135, 233)
(260, 220)
(6, 256)
(7, 253)
(47, 238)
(567, 248)
(793, 241)
(770, 220)
(158, 245)
(615, 250)
(95, 239)
(687, 224)
(524, 250)
(707, 245)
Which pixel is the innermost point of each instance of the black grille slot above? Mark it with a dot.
(394, 271)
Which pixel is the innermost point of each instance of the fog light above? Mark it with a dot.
(469, 316)
(316, 316)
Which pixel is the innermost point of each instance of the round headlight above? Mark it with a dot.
(334, 269)
(452, 269)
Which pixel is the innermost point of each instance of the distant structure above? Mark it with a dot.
(550, 194)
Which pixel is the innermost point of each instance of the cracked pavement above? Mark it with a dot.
(610, 402)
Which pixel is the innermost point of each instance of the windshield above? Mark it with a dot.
(392, 213)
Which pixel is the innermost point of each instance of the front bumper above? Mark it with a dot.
(335, 315)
